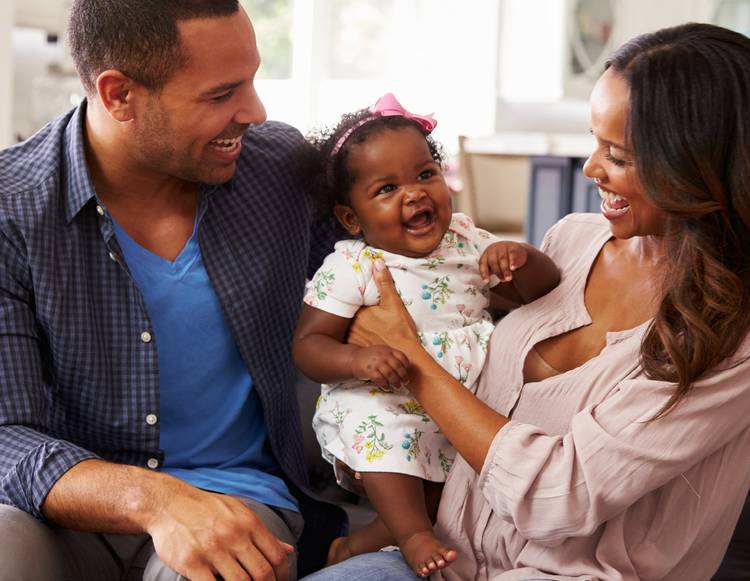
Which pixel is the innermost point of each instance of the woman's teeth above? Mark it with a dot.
(613, 200)
(226, 144)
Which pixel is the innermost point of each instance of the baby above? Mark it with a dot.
(380, 173)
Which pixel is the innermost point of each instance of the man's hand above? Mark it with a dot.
(501, 259)
(201, 534)
(386, 367)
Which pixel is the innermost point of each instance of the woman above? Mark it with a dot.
(608, 437)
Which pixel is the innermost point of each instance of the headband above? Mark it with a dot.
(386, 106)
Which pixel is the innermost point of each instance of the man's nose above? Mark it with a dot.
(251, 111)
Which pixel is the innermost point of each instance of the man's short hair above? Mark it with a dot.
(136, 37)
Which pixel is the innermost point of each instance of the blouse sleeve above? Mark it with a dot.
(554, 487)
(338, 286)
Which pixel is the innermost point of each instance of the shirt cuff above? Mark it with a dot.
(36, 474)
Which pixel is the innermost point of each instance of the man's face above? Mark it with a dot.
(192, 128)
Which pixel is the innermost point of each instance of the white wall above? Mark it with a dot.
(569, 114)
(7, 17)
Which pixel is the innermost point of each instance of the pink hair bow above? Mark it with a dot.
(386, 106)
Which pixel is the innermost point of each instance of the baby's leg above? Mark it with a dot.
(368, 539)
(400, 500)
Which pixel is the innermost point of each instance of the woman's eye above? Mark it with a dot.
(387, 189)
(615, 160)
(426, 174)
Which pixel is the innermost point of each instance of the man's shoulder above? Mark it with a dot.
(273, 138)
(27, 165)
(270, 158)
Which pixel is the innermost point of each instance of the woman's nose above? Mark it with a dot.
(593, 169)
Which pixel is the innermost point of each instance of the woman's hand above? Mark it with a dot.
(387, 323)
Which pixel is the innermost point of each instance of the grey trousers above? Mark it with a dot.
(33, 551)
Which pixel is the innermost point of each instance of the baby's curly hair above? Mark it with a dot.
(327, 177)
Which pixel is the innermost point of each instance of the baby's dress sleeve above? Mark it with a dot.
(480, 239)
(338, 286)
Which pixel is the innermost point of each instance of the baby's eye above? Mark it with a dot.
(426, 174)
(387, 189)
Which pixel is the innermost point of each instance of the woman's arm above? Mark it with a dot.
(469, 424)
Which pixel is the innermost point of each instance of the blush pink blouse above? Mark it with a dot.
(580, 485)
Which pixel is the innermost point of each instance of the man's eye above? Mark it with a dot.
(222, 97)
(387, 189)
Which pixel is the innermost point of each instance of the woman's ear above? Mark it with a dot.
(348, 219)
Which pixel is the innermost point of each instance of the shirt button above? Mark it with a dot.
(152, 463)
(113, 256)
(100, 210)
(146, 337)
(151, 419)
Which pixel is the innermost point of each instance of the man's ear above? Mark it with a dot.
(348, 219)
(115, 90)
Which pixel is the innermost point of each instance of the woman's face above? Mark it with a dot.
(612, 164)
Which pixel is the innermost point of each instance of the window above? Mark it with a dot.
(322, 58)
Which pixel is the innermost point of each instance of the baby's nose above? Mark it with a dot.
(413, 193)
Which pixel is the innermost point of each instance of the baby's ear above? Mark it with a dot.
(348, 219)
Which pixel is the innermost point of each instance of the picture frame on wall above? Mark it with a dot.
(591, 28)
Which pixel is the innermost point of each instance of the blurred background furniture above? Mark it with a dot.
(519, 184)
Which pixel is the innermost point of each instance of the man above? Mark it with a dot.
(153, 248)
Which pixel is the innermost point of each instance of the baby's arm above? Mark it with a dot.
(320, 353)
(525, 272)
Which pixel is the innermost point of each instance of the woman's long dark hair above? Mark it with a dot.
(689, 127)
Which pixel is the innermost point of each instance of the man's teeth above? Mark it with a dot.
(227, 143)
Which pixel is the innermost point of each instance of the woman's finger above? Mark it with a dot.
(385, 284)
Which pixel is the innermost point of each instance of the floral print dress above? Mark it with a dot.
(372, 430)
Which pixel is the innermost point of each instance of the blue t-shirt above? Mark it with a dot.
(211, 423)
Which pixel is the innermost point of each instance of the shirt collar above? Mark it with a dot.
(78, 187)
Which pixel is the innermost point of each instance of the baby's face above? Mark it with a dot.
(399, 201)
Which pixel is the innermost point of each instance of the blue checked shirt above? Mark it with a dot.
(79, 376)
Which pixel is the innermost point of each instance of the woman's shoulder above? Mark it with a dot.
(577, 233)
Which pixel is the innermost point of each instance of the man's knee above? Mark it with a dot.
(29, 550)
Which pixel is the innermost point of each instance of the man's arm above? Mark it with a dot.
(195, 532)
(31, 459)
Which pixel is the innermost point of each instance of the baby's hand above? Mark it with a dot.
(385, 367)
(501, 259)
